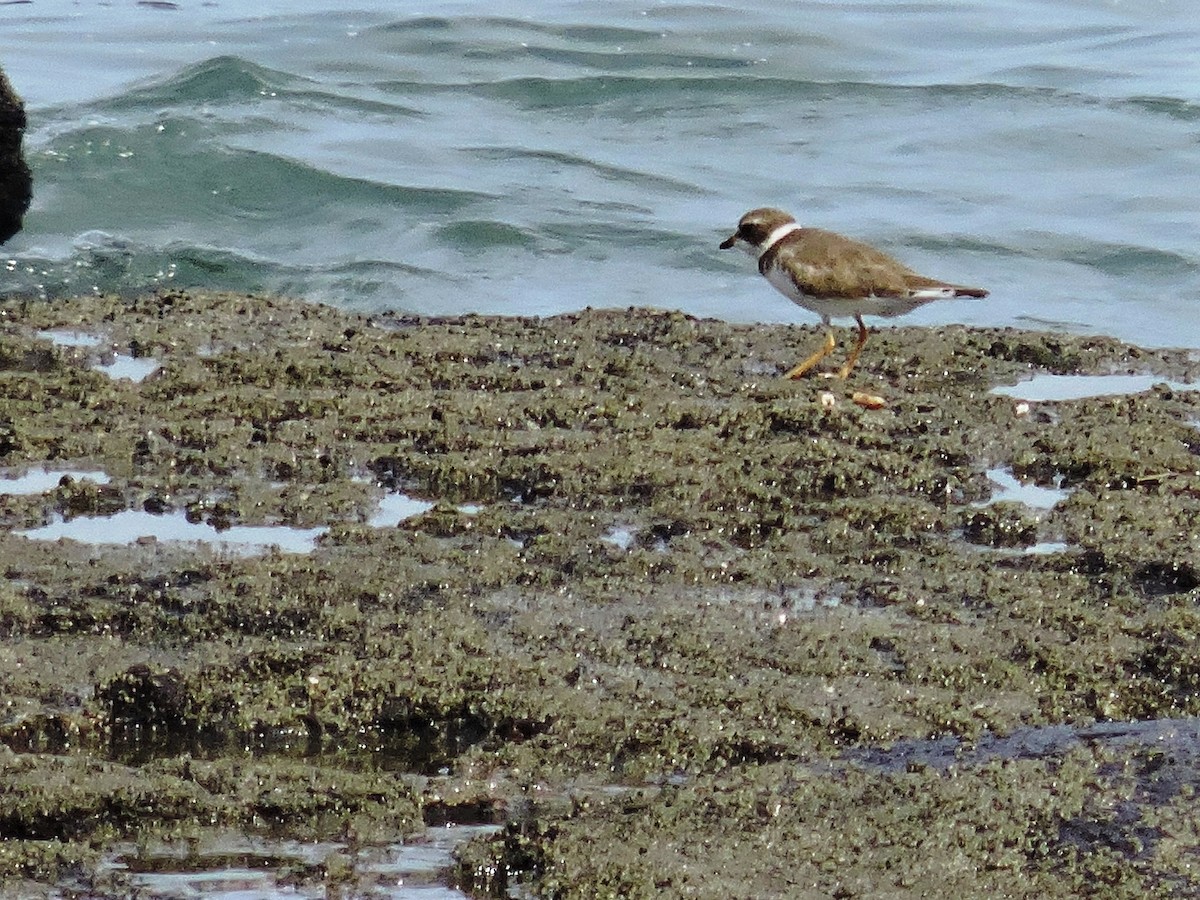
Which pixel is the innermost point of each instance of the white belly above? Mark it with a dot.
(848, 307)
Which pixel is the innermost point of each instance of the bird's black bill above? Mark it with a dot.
(729, 242)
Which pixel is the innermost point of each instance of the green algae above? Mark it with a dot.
(685, 589)
(788, 831)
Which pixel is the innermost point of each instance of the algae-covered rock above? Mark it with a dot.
(664, 615)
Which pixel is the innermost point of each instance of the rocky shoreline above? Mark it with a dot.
(679, 626)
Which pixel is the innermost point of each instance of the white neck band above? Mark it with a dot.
(776, 236)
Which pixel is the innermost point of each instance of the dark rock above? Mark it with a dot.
(16, 181)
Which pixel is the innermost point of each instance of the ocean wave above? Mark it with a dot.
(471, 235)
(184, 159)
(561, 160)
(1118, 260)
(231, 81)
(596, 155)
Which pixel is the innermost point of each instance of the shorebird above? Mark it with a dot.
(834, 276)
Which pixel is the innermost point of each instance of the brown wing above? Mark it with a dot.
(830, 265)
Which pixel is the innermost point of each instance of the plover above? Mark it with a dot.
(834, 276)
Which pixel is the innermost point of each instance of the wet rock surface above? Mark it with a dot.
(675, 623)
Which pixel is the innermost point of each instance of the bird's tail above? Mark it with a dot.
(928, 288)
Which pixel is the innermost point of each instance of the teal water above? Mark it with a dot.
(537, 158)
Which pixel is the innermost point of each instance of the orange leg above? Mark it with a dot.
(862, 340)
(801, 369)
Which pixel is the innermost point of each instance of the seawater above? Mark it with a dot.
(539, 158)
